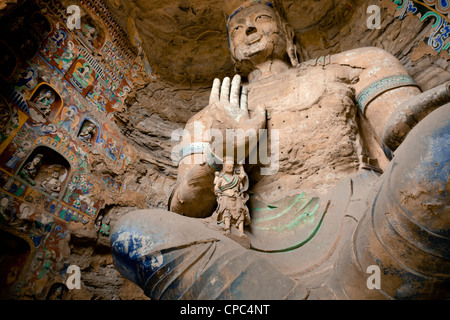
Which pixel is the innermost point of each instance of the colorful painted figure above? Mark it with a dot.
(18, 155)
(90, 34)
(87, 133)
(65, 61)
(83, 75)
(68, 119)
(29, 171)
(27, 80)
(57, 41)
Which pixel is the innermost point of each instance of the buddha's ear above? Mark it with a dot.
(291, 49)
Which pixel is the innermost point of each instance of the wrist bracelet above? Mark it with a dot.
(213, 161)
(193, 148)
(201, 148)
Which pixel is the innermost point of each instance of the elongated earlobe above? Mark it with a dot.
(291, 49)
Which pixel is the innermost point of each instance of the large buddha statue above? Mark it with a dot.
(323, 213)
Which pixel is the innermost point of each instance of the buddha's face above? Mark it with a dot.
(256, 36)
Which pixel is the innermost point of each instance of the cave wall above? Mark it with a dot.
(152, 68)
(87, 77)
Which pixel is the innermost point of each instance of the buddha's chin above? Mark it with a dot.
(258, 51)
(254, 49)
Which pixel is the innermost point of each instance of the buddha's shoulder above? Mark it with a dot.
(354, 57)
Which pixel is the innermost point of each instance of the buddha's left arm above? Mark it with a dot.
(381, 83)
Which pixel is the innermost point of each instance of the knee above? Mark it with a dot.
(419, 178)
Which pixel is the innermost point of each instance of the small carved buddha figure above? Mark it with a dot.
(29, 171)
(98, 223)
(90, 34)
(44, 102)
(52, 184)
(86, 133)
(104, 230)
(230, 188)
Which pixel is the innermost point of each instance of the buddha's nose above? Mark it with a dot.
(249, 30)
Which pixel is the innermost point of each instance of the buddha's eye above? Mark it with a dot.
(263, 16)
(236, 29)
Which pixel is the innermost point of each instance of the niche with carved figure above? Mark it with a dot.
(92, 34)
(58, 291)
(46, 100)
(46, 170)
(88, 132)
(15, 255)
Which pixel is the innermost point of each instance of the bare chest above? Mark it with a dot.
(312, 115)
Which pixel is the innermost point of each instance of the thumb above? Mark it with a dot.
(258, 119)
(260, 108)
(260, 112)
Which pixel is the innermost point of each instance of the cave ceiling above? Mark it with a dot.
(186, 43)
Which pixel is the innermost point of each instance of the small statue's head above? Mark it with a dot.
(258, 33)
(37, 159)
(90, 127)
(228, 165)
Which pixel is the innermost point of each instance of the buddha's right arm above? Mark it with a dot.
(193, 194)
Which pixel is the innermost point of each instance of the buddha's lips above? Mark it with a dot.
(253, 39)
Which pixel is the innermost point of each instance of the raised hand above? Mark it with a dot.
(228, 115)
(232, 101)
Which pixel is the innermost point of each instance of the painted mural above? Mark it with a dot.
(438, 11)
(56, 109)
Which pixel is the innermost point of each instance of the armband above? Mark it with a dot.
(373, 90)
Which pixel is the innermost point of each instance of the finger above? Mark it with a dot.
(244, 99)
(235, 90)
(225, 91)
(260, 115)
(260, 110)
(215, 92)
